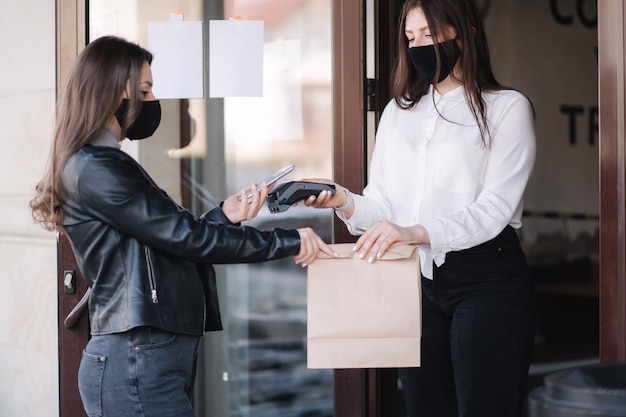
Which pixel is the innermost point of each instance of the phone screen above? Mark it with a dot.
(272, 179)
(277, 175)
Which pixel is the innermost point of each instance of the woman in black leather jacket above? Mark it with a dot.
(147, 261)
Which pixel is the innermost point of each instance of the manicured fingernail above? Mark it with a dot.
(304, 265)
(378, 255)
(354, 248)
(361, 255)
(370, 260)
(336, 254)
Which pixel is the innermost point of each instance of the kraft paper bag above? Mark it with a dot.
(364, 315)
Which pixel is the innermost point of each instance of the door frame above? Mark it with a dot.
(359, 392)
(348, 74)
(71, 38)
(612, 117)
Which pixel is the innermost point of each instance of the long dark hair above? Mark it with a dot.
(477, 75)
(91, 96)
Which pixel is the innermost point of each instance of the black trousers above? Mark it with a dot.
(478, 325)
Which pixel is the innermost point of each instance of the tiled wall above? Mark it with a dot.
(28, 307)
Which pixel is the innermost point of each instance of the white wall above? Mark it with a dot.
(28, 306)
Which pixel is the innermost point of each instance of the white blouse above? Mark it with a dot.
(431, 167)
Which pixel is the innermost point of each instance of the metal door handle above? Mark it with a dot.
(78, 310)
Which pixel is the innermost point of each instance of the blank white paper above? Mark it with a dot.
(177, 68)
(236, 58)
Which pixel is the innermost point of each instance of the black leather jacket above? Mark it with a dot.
(146, 259)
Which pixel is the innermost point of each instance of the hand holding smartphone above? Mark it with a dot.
(272, 179)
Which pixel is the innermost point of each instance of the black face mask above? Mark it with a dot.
(425, 61)
(147, 122)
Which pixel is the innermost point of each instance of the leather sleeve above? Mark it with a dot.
(115, 190)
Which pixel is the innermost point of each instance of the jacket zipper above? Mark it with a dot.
(151, 278)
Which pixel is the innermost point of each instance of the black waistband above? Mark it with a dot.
(507, 238)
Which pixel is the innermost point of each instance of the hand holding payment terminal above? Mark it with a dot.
(284, 195)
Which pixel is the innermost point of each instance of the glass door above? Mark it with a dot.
(207, 149)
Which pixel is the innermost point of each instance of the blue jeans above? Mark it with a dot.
(478, 328)
(143, 372)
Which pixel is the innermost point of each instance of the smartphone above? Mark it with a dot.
(272, 179)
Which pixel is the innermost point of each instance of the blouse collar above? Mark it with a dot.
(452, 97)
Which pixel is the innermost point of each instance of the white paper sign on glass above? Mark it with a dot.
(177, 67)
(278, 114)
(236, 58)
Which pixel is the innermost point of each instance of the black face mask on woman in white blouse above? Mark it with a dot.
(424, 60)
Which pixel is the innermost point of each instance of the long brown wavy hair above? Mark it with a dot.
(477, 75)
(93, 92)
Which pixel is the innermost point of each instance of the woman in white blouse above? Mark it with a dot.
(454, 151)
